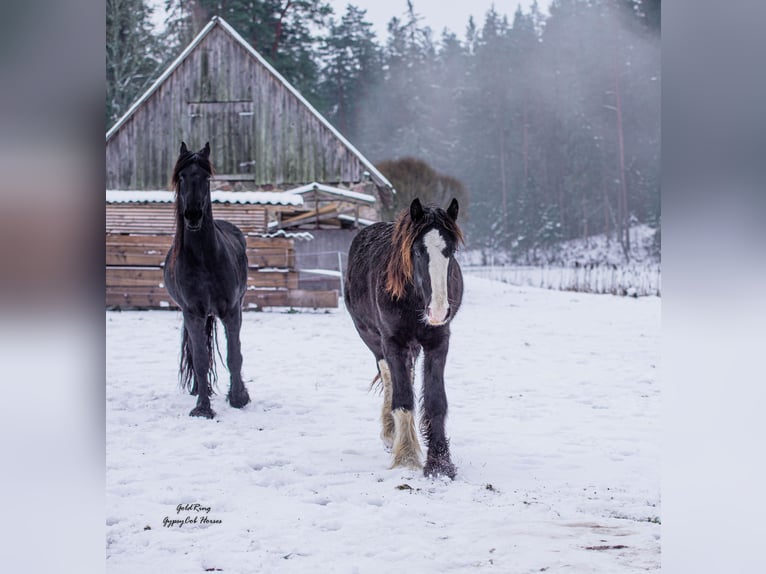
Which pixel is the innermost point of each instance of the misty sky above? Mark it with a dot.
(437, 14)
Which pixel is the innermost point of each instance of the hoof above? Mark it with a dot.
(409, 461)
(200, 411)
(239, 400)
(435, 468)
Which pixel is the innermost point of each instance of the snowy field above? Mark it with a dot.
(554, 424)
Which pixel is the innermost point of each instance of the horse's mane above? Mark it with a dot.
(184, 161)
(406, 231)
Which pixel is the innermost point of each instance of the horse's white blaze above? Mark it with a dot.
(438, 265)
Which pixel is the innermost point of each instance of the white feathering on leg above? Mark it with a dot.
(406, 447)
(386, 417)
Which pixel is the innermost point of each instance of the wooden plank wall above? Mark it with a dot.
(158, 218)
(220, 93)
(134, 275)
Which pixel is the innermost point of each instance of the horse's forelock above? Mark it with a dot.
(184, 161)
(406, 231)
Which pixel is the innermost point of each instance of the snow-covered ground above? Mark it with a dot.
(554, 424)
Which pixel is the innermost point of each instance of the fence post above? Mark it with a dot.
(340, 268)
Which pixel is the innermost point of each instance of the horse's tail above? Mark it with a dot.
(376, 384)
(186, 369)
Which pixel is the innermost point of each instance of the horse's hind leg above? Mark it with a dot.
(406, 449)
(197, 333)
(232, 322)
(373, 342)
(388, 430)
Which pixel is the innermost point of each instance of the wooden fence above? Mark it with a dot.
(138, 236)
(134, 274)
(158, 218)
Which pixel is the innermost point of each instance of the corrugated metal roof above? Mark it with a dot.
(244, 197)
(339, 191)
(302, 235)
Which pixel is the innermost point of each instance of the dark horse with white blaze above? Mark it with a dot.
(403, 288)
(206, 275)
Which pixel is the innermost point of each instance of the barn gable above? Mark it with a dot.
(262, 132)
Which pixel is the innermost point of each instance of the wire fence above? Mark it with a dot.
(627, 280)
(325, 270)
(321, 269)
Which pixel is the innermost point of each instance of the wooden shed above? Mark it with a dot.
(326, 207)
(264, 137)
(263, 134)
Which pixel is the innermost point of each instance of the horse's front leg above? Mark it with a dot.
(232, 322)
(406, 449)
(195, 327)
(438, 460)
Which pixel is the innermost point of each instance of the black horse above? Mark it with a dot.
(403, 287)
(206, 275)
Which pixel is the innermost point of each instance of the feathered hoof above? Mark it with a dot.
(440, 467)
(410, 461)
(202, 411)
(239, 399)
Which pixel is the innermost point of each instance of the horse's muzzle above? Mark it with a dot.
(193, 219)
(437, 317)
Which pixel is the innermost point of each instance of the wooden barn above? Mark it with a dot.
(281, 169)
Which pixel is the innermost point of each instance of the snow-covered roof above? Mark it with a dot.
(361, 220)
(328, 272)
(341, 216)
(244, 197)
(337, 191)
(378, 177)
(302, 235)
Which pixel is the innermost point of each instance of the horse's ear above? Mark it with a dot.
(183, 150)
(205, 151)
(453, 209)
(416, 209)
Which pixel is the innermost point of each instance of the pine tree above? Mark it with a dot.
(351, 71)
(133, 54)
(488, 129)
(281, 31)
(403, 116)
(451, 91)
